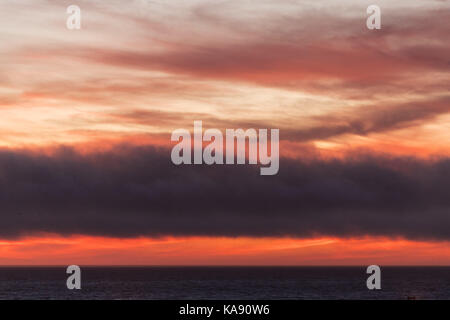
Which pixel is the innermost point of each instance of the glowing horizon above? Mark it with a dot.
(55, 250)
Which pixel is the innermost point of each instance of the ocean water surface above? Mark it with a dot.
(236, 283)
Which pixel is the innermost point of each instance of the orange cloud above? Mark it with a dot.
(87, 250)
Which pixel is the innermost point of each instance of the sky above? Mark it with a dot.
(86, 118)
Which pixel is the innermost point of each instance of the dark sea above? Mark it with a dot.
(236, 283)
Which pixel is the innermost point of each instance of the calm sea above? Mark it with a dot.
(224, 283)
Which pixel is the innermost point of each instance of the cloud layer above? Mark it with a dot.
(310, 68)
(133, 191)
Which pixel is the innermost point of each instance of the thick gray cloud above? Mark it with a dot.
(131, 191)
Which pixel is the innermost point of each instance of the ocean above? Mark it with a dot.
(235, 283)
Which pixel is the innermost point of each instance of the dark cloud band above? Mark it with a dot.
(133, 191)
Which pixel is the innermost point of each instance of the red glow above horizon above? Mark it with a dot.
(90, 250)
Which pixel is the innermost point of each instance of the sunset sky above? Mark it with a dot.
(86, 118)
